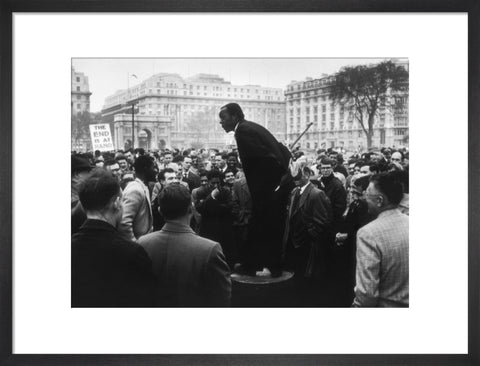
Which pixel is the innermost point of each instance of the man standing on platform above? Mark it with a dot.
(264, 161)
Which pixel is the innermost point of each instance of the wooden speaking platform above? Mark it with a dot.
(261, 290)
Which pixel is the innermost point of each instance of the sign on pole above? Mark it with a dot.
(101, 137)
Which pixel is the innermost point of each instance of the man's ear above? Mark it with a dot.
(116, 202)
(381, 200)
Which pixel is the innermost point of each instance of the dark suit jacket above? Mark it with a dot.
(108, 270)
(264, 160)
(78, 216)
(356, 217)
(242, 202)
(337, 195)
(191, 269)
(193, 180)
(217, 219)
(310, 225)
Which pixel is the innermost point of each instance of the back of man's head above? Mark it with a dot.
(214, 174)
(178, 159)
(142, 164)
(389, 185)
(97, 191)
(140, 151)
(175, 201)
(80, 164)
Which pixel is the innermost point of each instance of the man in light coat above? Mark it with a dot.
(137, 211)
(382, 273)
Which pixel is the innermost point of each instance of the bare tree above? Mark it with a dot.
(366, 88)
(80, 123)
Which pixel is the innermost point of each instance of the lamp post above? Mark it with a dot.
(133, 107)
(133, 125)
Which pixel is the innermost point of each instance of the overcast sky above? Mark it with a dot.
(108, 75)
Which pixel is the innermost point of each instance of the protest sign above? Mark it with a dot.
(101, 137)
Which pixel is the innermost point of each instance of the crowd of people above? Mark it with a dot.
(168, 227)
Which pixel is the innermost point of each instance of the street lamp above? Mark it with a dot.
(133, 125)
(133, 107)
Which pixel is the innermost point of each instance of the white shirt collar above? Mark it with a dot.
(303, 188)
(235, 129)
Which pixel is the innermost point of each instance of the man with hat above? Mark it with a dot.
(308, 231)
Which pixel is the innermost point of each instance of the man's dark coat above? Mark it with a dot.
(109, 270)
(265, 162)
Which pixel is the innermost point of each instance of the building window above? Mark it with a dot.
(78, 88)
(79, 106)
(324, 117)
(79, 97)
(324, 108)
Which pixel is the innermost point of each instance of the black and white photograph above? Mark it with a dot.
(240, 182)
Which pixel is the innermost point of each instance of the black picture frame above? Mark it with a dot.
(8, 7)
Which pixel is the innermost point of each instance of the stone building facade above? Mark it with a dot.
(192, 105)
(334, 125)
